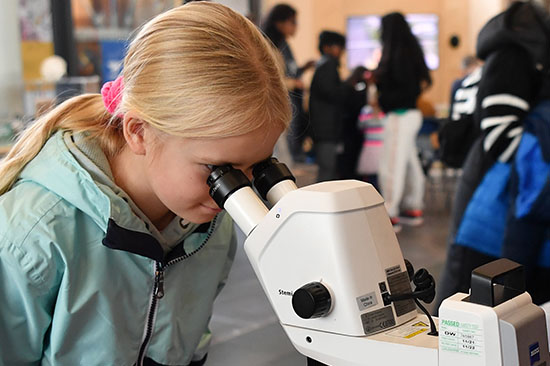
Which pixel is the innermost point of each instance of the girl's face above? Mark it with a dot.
(334, 50)
(287, 27)
(177, 170)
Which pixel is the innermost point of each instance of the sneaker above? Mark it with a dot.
(411, 217)
(395, 224)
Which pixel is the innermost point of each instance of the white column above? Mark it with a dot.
(11, 69)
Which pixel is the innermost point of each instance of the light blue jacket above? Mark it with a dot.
(82, 281)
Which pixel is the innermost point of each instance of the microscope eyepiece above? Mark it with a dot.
(268, 173)
(223, 181)
(232, 191)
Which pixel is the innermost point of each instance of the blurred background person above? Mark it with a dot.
(370, 122)
(327, 101)
(501, 202)
(352, 135)
(279, 25)
(468, 65)
(401, 76)
(458, 134)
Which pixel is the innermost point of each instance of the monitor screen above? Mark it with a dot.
(363, 39)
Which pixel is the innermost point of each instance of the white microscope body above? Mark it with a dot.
(327, 258)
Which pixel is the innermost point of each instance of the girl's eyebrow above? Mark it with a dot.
(213, 163)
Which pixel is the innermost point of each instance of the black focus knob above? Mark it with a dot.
(311, 301)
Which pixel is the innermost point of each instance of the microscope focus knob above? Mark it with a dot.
(312, 301)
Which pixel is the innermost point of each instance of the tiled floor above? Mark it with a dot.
(246, 330)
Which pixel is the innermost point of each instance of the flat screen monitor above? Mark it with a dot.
(363, 39)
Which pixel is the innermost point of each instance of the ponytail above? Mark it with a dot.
(85, 113)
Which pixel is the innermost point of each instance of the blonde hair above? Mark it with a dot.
(197, 71)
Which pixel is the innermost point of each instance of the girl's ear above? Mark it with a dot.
(133, 129)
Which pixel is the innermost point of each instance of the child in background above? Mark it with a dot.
(370, 122)
(329, 95)
(112, 251)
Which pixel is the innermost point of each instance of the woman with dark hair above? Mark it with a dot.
(279, 25)
(401, 77)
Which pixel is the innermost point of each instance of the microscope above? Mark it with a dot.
(329, 262)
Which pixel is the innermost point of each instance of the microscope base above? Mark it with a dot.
(408, 344)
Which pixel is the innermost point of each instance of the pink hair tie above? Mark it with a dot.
(111, 92)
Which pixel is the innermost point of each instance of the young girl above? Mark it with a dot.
(111, 250)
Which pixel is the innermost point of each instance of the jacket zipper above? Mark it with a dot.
(158, 292)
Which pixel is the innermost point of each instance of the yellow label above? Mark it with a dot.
(420, 324)
(416, 333)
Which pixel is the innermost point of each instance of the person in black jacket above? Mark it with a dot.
(401, 77)
(352, 135)
(485, 225)
(326, 104)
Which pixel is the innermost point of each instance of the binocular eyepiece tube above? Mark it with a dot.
(273, 180)
(232, 191)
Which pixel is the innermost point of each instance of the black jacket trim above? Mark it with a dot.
(142, 244)
(131, 241)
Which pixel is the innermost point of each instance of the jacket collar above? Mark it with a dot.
(143, 244)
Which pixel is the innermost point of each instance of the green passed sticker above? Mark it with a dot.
(460, 337)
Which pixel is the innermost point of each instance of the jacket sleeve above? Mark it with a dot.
(507, 89)
(27, 297)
